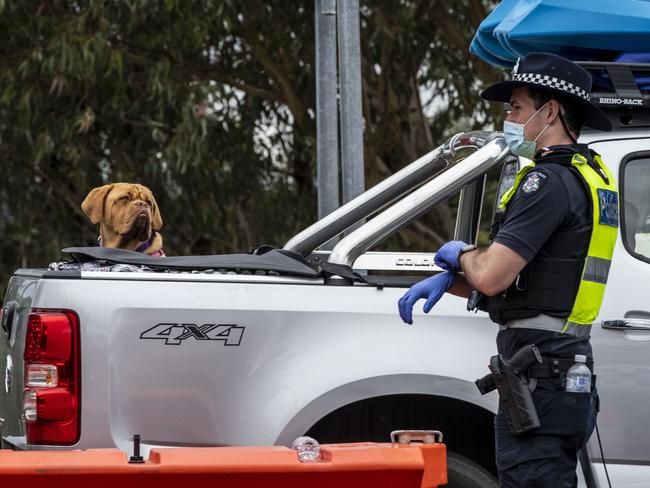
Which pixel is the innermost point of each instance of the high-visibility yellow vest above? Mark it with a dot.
(604, 206)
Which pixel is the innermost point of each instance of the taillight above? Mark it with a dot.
(51, 401)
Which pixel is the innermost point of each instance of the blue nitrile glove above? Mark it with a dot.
(431, 288)
(448, 255)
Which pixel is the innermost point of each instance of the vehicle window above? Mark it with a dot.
(635, 203)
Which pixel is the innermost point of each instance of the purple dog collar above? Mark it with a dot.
(142, 247)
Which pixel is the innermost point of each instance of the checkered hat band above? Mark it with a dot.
(551, 82)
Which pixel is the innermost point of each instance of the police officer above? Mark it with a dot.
(543, 277)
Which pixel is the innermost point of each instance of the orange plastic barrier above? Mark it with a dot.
(340, 466)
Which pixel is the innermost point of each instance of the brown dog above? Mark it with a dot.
(128, 217)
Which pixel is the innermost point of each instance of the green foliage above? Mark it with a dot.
(210, 103)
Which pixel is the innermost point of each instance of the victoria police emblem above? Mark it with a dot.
(533, 182)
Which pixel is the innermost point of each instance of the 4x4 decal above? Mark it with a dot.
(175, 333)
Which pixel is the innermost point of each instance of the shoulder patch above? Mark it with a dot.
(533, 182)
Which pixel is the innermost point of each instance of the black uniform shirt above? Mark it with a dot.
(550, 199)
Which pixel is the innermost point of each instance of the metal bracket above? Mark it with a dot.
(410, 436)
(623, 81)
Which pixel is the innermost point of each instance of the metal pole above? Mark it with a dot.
(326, 108)
(350, 86)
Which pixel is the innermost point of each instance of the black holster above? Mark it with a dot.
(509, 378)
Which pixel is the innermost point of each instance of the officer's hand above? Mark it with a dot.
(431, 288)
(448, 255)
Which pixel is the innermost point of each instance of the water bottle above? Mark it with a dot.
(578, 378)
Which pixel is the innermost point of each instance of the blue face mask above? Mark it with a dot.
(514, 136)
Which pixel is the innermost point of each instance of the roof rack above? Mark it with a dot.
(616, 91)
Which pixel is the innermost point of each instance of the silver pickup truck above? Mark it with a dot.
(260, 349)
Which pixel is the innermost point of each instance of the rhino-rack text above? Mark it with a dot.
(621, 101)
(175, 333)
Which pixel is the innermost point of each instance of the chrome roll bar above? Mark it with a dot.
(393, 187)
(486, 150)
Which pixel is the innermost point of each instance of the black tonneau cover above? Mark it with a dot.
(276, 260)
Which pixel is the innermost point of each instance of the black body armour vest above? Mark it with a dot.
(549, 283)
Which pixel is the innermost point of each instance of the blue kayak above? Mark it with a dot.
(581, 30)
(485, 45)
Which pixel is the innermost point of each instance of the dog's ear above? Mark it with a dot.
(156, 219)
(93, 205)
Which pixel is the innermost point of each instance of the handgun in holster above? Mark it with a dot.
(509, 378)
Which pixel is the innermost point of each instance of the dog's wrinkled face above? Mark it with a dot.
(127, 213)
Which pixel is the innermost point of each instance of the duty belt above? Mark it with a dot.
(551, 367)
(546, 322)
